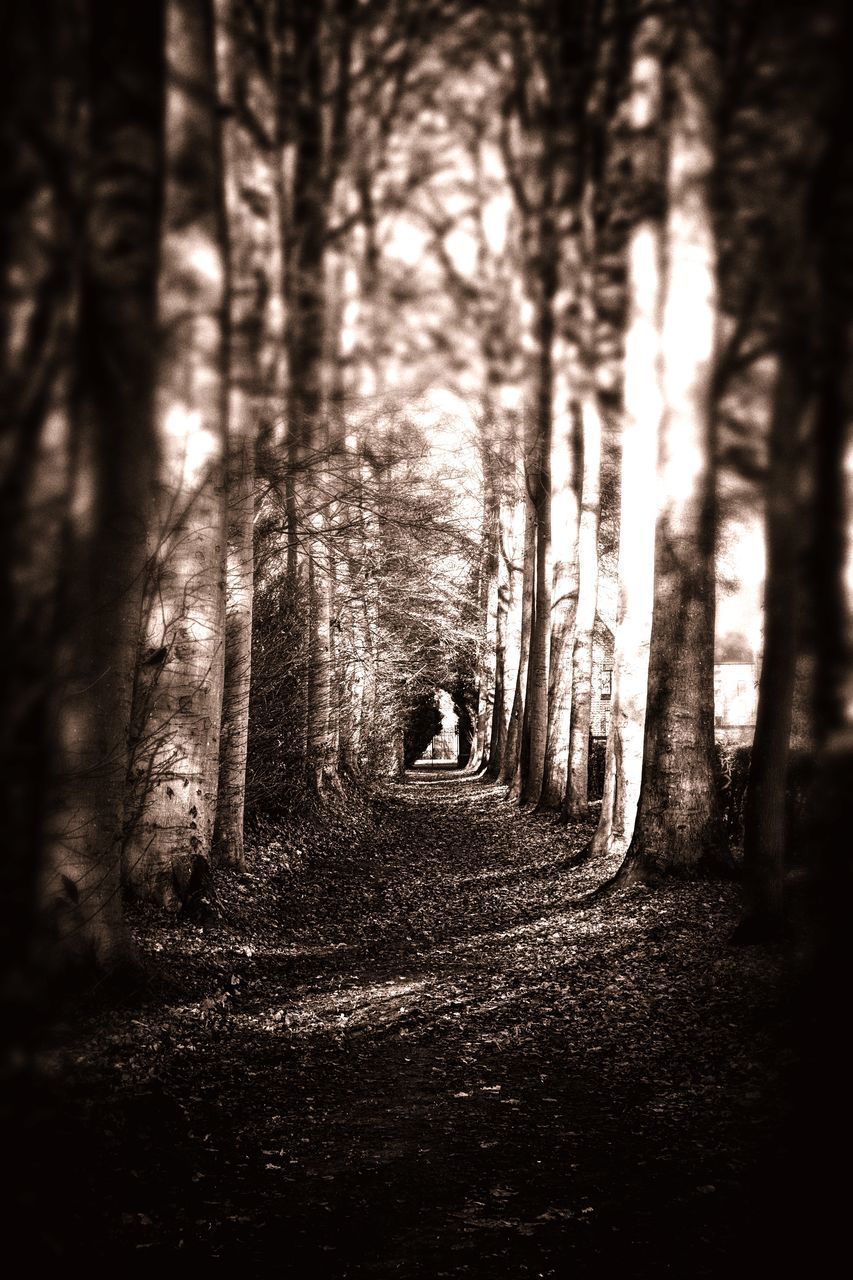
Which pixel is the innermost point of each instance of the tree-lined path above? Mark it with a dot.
(442, 1063)
(385, 380)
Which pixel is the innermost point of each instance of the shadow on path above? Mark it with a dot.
(436, 1066)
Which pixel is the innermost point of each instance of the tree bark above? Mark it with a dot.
(321, 760)
(178, 697)
(487, 605)
(641, 422)
(534, 733)
(765, 809)
(635, 571)
(227, 849)
(576, 797)
(822, 1116)
(581, 706)
(41, 98)
(564, 504)
(511, 772)
(307, 345)
(679, 828)
(248, 105)
(109, 483)
(507, 629)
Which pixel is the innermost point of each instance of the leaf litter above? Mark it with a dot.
(407, 1044)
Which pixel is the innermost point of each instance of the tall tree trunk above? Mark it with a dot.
(237, 672)
(823, 1117)
(679, 829)
(358, 673)
(253, 226)
(534, 733)
(41, 106)
(590, 414)
(511, 772)
(340, 518)
(765, 809)
(321, 761)
(564, 506)
(178, 697)
(577, 792)
(371, 565)
(307, 328)
(641, 421)
(113, 452)
(635, 571)
(507, 628)
(487, 605)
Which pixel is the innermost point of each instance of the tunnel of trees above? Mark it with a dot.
(360, 349)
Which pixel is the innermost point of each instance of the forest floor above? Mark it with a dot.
(413, 1049)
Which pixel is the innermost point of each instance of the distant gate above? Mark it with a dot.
(443, 746)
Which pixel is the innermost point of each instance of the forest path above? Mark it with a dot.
(429, 1061)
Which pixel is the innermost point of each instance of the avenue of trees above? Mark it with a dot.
(348, 348)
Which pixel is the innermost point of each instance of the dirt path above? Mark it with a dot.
(426, 1060)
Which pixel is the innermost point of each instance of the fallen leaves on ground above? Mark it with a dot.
(408, 1043)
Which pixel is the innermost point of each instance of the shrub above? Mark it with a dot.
(733, 779)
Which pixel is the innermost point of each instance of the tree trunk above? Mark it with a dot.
(340, 520)
(359, 672)
(488, 611)
(252, 215)
(534, 732)
(40, 85)
(237, 672)
(576, 795)
(113, 449)
(564, 504)
(830, 599)
(641, 425)
(369, 615)
(823, 1117)
(576, 798)
(511, 772)
(178, 696)
(679, 828)
(507, 630)
(765, 809)
(642, 413)
(321, 754)
(307, 346)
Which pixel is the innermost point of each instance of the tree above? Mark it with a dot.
(787, 172)
(508, 619)
(247, 71)
(822, 1115)
(487, 608)
(111, 449)
(532, 167)
(678, 828)
(42, 99)
(829, 554)
(588, 410)
(564, 507)
(639, 149)
(178, 697)
(576, 793)
(510, 768)
(580, 96)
